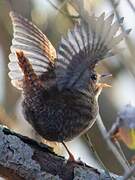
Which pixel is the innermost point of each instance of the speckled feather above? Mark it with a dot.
(59, 91)
(60, 116)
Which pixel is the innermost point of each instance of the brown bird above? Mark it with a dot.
(60, 89)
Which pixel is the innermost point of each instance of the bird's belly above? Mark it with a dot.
(59, 123)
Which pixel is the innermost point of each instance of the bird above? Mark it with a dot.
(60, 88)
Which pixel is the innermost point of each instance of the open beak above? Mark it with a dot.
(102, 85)
(105, 75)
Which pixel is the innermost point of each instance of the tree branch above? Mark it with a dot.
(24, 158)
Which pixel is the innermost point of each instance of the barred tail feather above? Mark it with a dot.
(29, 75)
(92, 40)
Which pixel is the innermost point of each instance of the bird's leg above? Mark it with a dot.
(71, 157)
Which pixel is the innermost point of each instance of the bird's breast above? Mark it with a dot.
(60, 116)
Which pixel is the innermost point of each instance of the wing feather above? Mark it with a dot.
(35, 46)
(90, 41)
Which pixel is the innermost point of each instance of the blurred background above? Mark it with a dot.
(54, 17)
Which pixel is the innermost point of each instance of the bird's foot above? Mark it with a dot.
(71, 157)
(80, 162)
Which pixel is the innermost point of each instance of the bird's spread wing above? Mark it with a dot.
(90, 41)
(35, 46)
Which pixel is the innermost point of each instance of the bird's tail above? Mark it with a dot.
(91, 40)
(30, 77)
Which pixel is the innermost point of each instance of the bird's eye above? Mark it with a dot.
(94, 77)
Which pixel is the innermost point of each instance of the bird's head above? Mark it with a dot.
(96, 82)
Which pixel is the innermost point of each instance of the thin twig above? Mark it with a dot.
(96, 155)
(61, 11)
(131, 5)
(129, 173)
(9, 3)
(110, 144)
(128, 41)
(111, 133)
(121, 152)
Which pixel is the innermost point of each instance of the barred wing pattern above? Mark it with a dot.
(35, 46)
(91, 40)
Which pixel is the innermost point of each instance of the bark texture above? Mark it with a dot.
(24, 158)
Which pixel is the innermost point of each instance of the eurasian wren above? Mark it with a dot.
(60, 90)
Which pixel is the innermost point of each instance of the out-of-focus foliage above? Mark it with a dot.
(124, 126)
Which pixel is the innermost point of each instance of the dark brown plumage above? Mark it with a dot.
(60, 90)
